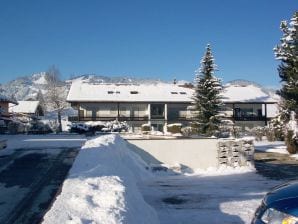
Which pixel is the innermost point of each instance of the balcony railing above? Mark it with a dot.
(250, 118)
(76, 118)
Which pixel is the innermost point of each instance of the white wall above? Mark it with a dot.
(192, 153)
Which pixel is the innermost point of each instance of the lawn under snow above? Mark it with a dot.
(109, 184)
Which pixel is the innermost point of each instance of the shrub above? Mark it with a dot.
(258, 133)
(291, 142)
(236, 131)
(146, 128)
(188, 131)
(15, 127)
(174, 128)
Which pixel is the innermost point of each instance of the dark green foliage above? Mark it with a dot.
(207, 99)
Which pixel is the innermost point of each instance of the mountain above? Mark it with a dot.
(27, 87)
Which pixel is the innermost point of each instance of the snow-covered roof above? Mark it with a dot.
(4, 98)
(247, 93)
(81, 91)
(162, 92)
(26, 107)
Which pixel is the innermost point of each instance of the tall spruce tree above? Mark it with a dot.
(287, 53)
(207, 99)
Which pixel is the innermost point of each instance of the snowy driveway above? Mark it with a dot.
(207, 198)
(220, 196)
(30, 177)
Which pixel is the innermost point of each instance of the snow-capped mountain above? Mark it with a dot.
(26, 87)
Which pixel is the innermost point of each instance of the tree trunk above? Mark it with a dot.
(59, 121)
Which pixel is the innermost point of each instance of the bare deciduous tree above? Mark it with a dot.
(56, 95)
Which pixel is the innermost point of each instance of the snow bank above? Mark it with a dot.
(102, 187)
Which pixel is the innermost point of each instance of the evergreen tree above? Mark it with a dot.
(287, 53)
(207, 99)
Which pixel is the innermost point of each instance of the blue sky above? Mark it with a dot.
(153, 38)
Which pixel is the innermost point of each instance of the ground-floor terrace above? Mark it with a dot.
(160, 114)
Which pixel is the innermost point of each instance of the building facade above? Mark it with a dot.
(162, 104)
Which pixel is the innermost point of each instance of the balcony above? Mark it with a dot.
(250, 118)
(76, 118)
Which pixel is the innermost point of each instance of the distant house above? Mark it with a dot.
(4, 105)
(5, 117)
(26, 109)
(162, 104)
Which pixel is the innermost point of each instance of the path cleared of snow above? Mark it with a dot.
(102, 187)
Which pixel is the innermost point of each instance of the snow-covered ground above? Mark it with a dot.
(277, 147)
(108, 183)
(102, 187)
(211, 197)
(38, 141)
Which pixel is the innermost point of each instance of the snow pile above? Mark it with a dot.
(102, 187)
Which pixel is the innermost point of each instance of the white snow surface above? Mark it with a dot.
(161, 92)
(102, 187)
(277, 146)
(247, 93)
(41, 79)
(28, 107)
(40, 141)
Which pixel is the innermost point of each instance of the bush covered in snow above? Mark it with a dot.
(258, 132)
(38, 127)
(146, 128)
(188, 131)
(99, 126)
(174, 128)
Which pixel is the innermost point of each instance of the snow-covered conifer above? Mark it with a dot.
(207, 99)
(287, 53)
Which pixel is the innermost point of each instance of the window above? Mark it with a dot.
(134, 92)
(183, 93)
(110, 92)
(117, 92)
(174, 92)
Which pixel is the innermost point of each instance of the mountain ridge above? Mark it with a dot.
(27, 87)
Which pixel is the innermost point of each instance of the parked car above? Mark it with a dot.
(280, 206)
